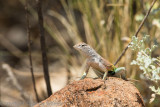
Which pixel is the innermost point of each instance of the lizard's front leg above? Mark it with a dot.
(86, 71)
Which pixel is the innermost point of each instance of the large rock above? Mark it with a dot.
(96, 92)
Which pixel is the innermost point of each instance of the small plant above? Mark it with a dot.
(150, 66)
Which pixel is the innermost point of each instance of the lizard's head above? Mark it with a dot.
(83, 47)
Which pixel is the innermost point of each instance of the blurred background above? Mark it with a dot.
(107, 25)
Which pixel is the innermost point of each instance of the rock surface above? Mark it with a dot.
(94, 92)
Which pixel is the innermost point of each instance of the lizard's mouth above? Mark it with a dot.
(75, 47)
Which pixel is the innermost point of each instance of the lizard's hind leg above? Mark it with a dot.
(105, 75)
(120, 72)
(103, 68)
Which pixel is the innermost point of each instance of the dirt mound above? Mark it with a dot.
(94, 92)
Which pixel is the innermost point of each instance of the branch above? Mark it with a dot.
(24, 95)
(29, 49)
(43, 47)
(136, 34)
(10, 46)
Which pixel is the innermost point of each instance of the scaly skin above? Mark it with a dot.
(101, 67)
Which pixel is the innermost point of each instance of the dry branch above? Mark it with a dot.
(43, 47)
(29, 49)
(136, 34)
(15, 82)
(10, 46)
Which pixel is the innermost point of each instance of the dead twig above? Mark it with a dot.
(136, 34)
(10, 47)
(24, 94)
(29, 49)
(43, 47)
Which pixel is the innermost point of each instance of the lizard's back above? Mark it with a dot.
(97, 63)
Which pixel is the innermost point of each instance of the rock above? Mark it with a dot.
(96, 92)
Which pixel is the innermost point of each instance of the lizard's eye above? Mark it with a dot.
(83, 45)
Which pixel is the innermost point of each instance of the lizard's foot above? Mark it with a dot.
(124, 78)
(105, 78)
(84, 76)
(104, 84)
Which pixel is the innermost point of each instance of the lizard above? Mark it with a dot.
(100, 66)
